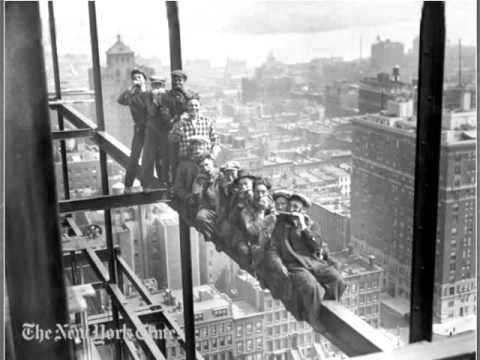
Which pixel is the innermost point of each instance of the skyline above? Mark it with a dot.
(223, 42)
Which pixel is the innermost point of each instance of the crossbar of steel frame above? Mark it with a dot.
(72, 134)
(131, 319)
(112, 201)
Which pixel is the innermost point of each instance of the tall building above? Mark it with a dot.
(382, 209)
(163, 257)
(386, 54)
(334, 224)
(211, 261)
(115, 79)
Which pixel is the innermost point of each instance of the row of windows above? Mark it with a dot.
(277, 316)
(213, 344)
(247, 329)
(248, 346)
(214, 330)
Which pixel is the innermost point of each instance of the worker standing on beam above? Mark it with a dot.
(135, 98)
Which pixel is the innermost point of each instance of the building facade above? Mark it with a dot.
(382, 209)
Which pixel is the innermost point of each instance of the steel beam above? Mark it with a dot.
(349, 333)
(72, 134)
(130, 318)
(75, 117)
(58, 95)
(427, 162)
(164, 317)
(34, 270)
(112, 201)
(174, 36)
(97, 81)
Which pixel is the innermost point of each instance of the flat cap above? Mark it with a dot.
(200, 139)
(158, 79)
(179, 73)
(297, 196)
(282, 193)
(242, 174)
(137, 71)
(230, 165)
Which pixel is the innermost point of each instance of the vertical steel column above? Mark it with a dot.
(58, 95)
(174, 36)
(187, 287)
(97, 81)
(34, 269)
(429, 125)
(185, 251)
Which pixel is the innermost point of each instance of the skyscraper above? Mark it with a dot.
(163, 250)
(382, 208)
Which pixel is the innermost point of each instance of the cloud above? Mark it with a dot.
(317, 16)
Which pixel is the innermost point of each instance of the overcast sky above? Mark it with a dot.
(249, 29)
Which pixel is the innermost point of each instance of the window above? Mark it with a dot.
(258, 327)
(205, 345)
(249, 329)
(249, 345)
(240, 347)
(229, 339)
(214, 344)
(221, 341)
(259, 344)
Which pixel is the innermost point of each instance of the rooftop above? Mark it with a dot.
(119, 48)
(242, 308)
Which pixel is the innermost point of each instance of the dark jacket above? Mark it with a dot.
(158, 114)
(292, 249)
(187, 171)
(137, 102)
(176, 102)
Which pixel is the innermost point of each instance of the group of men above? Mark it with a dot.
(164, 120)
(267, 231)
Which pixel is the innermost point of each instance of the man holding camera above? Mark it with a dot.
(135, 97)
(295, 254)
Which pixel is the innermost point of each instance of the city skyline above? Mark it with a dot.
(220, 42)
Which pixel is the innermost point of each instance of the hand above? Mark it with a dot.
(134, 88)
(301, 220)
(216, 150)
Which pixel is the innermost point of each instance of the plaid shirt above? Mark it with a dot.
(185, 129)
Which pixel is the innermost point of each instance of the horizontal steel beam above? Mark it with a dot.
(81, 258)
(349, 333)
(112, 201)
(72, 134)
